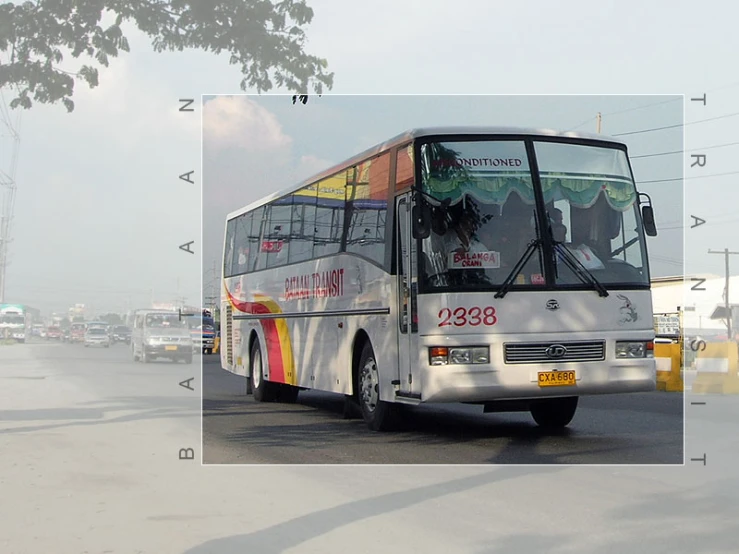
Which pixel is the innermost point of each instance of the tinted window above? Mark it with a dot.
(329, 226)
(241, 244)
(229, 247)
(256, 259)
(303, 224)
(277, 240)
(366, 206)
(404, 168)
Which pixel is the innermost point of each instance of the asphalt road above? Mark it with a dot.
(614, 429)
(90, 453)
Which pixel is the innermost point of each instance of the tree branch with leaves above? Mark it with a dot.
(264, 38)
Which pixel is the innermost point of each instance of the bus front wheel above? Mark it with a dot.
(378, 414)
(554, 413)
(263, 390)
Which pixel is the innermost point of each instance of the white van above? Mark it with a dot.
(160, 334)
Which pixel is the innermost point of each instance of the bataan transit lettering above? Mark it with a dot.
(326, 284)
(478, 162)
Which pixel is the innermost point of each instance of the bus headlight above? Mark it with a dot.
(459, 355)
(634, 349)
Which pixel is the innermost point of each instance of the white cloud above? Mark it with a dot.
(237, 121)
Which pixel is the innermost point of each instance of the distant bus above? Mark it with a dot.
(15, 322)
(493, 266)
(77, 332)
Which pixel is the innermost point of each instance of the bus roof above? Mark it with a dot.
(419, 132)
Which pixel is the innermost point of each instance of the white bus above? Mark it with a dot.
(496, 266)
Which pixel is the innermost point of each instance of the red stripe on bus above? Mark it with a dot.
(274, 350)
(271, 336)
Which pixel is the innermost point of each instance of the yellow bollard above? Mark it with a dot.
(717, 369)
(216, 344)
(669, 367)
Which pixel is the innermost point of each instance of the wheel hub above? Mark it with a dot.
(256, 369)
(369, 385)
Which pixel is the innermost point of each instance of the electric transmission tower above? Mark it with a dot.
(9, 144)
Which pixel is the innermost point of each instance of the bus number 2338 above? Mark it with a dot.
(474, 316)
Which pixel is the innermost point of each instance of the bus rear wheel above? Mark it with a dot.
(263, 390)
(378, 414)
(554, 413)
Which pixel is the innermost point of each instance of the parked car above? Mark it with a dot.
(97, 336)
(120, 333)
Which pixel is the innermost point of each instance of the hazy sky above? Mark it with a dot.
(100, 210)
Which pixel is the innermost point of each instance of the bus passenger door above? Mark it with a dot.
(408, 371)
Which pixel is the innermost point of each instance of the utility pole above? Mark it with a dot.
(597, 126)
(216, 282)
(3, 249)
(727, 306)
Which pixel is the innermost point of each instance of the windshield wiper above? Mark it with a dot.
(571, 261)
(533, 246)
(579, 269)
(567, 257)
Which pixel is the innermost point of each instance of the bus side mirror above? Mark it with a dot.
(421, 221)
(650, 227)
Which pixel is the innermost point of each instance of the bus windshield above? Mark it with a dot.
(12, 319)
(485, 216)
(166, 321)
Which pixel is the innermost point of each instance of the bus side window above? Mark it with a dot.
(367, 200)
(228, 257)
(304, 225)
(254, 233)
(241, 243)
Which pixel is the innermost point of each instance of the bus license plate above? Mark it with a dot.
(556, 378)
(170, 348)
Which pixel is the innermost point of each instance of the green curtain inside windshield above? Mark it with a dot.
(581, 190)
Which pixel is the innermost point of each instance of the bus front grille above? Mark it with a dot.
(554, 352)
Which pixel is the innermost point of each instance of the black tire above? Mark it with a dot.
(377, 414)
(263, 390)
(145, 358)
(554, 413)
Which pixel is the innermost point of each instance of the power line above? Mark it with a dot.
(674, 126)
(681, 151)
(691, 177)
(652, 155)
(644, 106)
(617, 112)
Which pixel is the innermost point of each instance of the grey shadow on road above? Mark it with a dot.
(144, 408)
(290, 534)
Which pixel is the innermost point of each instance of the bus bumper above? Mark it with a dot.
(455, 384)
(498, 380)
